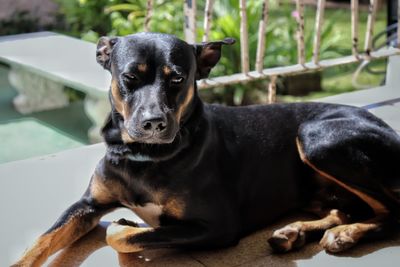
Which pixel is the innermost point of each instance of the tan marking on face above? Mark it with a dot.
(142, 67)
(377, 206)
(126, 138)
(166, 70)
(182, 108)
(118, 237)
(175, 207)
(120, 105)
(117, 99)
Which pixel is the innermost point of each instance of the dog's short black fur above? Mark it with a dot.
(203, 176)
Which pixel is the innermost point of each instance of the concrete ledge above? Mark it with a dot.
(34, 192)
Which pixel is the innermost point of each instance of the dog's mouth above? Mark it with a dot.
(154, 137)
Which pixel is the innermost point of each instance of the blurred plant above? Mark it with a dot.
(93, 18)
(83, 16)
(21, 22)
(281, 44)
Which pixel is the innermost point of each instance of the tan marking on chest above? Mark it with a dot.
(149, 213)
(174, 207)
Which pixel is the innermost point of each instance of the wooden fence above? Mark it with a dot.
(259, 71)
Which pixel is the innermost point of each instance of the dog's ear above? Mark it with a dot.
(103, 52)
(208, 55)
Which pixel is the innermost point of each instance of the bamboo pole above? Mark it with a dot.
(300, 32)
(261, 36)
(318, 28)
(398, 23)
(373, 7)
(272, 89)
(207, 19)
(189, 9)
(294, 69)
(244, 37)
(354, 27)
(149, 14)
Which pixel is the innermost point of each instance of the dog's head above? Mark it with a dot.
(153, 81)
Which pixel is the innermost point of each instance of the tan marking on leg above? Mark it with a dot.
(175, 207)
(142, 67)
(343, 237)
(166, 70)
(104, 191)
(80, 250)
(50, 243)
(118, 237)
(293, 235)
(185, 104)
(377, 206)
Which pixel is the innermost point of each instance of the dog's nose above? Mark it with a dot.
(158, 124)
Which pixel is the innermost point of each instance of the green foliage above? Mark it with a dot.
(83, 16)
(90, 19)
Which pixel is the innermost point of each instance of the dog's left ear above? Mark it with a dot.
(208, 55)
(103, 52)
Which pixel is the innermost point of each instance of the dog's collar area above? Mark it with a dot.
(138, 157)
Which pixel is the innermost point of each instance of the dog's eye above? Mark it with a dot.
(177, 80)
(130, 76)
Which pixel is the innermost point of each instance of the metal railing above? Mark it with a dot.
(259, 71)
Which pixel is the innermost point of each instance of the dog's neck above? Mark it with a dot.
(117, 150)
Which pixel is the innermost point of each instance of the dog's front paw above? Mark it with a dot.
(339, 238)
(120, 233)
(287, 238)
(123, 221)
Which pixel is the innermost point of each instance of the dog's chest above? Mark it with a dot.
(149, 213)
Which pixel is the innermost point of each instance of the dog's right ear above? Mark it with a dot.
(208, 55)
(103, 52)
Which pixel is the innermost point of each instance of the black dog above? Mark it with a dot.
(203, 176)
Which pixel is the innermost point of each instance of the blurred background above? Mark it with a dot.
(45, 132)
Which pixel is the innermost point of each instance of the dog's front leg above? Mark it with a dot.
(76, 221)
(126, 238)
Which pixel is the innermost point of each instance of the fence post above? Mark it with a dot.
(370, 26)
(318, 28)
(189, 9)
(149, 14)
(244, 36)
(354, 27)
(261, 37)
(300, 32)
(207, 19)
